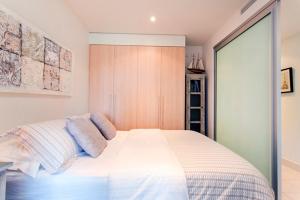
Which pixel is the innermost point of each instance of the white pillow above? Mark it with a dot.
(50, 143)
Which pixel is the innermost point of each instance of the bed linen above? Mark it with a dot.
(86, 179)
(214, 172)
(145, 167)
(12, 151)
(210, 171)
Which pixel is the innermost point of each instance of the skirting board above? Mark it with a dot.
(137, 39)
(291, 164)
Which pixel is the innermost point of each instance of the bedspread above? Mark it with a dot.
(214, 172)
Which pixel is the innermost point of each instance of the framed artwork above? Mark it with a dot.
(287, 80)
(30, 62)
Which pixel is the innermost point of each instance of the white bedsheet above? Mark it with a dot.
(146, 167)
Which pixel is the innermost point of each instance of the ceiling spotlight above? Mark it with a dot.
(152, 19)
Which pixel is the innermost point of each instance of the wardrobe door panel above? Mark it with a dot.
(148, 107)
(172, 88)
(125, 87)
(101, 79)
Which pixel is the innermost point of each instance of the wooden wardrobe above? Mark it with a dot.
(138, 86)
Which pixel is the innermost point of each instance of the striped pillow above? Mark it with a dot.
(50, 143)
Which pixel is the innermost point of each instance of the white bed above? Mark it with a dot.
(149, 164)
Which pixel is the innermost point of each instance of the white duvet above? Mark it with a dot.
(146, 167)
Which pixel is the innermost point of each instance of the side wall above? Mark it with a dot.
(55, 19)
(234, 22)
(290, 102)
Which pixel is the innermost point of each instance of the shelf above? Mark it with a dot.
(196, 107)
(195, 92)
(197, 71)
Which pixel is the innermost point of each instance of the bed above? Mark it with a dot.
(149, 164)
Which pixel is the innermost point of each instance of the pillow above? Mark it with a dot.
(50, 143)
(87, 136)
(13, 151)
(104, 125)
(83, 116)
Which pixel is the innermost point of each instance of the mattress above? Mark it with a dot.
(211, 171)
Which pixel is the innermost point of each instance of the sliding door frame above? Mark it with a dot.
(271, 8)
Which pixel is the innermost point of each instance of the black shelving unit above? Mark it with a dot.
(196, 103)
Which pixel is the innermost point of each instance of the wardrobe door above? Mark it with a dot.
(125, 87)
(101, 79)
(172, 88)
(148, 98)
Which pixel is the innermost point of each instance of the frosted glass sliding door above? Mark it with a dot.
(244, 95)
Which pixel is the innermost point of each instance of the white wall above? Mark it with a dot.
(54, 18)
(234, 22)
(291, 102)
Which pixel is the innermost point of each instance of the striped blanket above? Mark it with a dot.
(213, 172)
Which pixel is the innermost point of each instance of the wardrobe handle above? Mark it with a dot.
(158, 112)
(114, 107)
(111, 107)
(162, 111)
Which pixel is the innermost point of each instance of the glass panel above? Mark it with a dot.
(244, 95)
(195, 100)
(195, 86)
(195, 114)
(195, 127)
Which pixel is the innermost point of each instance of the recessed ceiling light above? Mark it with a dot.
(152, 19)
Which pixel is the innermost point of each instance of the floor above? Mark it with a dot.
(290, 184)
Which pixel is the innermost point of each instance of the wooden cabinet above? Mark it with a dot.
(101, 79)
(148, 104)
(172, 88)
(138, 86)
(125, 87)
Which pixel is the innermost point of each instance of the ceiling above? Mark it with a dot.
(197, 19)
(290, 18)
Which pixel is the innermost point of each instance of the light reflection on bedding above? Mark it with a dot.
(56, 187)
